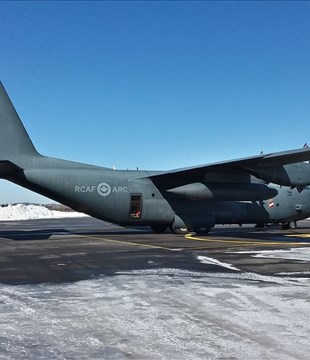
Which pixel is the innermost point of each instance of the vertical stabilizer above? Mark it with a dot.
(14, 140)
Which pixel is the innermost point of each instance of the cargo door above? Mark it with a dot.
(135, 206)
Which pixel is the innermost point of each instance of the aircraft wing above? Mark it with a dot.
(284, 168)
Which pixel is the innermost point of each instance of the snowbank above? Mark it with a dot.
(27, 212)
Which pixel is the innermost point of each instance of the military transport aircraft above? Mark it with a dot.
(266, 188)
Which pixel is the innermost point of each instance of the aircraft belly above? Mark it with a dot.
(255, 212)
(229, 212)
(208, 213)
(157, 211)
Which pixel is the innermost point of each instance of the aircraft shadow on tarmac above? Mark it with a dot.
(247, 233)
(42, 234)
(45, 234)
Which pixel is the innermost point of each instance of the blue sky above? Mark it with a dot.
(156, 85)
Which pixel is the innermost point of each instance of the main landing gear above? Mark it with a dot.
(289, 225)
(182, 230)
(159, 228)
(202, 230)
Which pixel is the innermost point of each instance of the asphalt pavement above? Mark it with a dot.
(66, 250)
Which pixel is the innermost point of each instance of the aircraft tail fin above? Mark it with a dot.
(15, 143)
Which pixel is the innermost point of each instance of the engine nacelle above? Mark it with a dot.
(287, 175)
(225, 191)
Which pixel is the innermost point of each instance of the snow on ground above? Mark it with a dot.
(212, 261)
(157, 315)
(28, 212)
(300, 253)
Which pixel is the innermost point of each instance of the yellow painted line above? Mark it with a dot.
(223, 247)
(303, 236)
(241, 242)
(192, 237)
(123, 242)
(232, 243)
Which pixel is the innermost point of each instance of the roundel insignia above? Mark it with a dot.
(104, 189)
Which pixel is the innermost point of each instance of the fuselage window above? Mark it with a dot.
(135, 207)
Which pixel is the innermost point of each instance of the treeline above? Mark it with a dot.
(58, 207)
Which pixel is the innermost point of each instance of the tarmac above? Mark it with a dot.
(66, 250)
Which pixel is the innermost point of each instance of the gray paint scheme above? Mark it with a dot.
(261, 189)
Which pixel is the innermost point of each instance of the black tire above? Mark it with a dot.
(289, 225)
(159, 228)
(202, 230)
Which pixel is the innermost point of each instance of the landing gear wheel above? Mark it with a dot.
(159, 228)
(289, 225)
(180, 231)
(202, 230)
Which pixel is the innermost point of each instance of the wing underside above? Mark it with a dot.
(284, 168)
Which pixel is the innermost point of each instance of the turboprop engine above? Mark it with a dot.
(224, 191)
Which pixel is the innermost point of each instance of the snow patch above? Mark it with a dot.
(209, 260)
(28, 212)
(302, 253)
(295, 273)
(149, 315)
